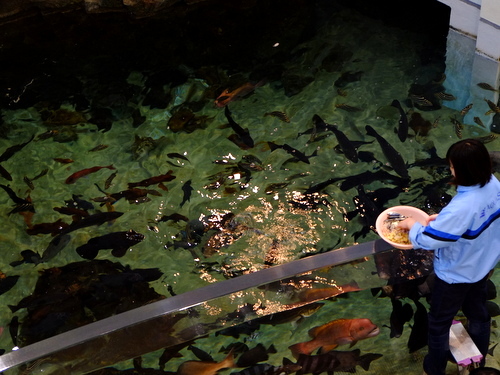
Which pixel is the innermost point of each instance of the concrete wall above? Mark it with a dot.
(473, 56)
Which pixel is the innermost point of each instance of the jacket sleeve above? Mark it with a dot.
(449, 226)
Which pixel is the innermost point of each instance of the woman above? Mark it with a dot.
(466, 239)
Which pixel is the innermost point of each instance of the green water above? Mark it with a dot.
(320, 43)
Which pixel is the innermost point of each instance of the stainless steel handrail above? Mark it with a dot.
(93, 331)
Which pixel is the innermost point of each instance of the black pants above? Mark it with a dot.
(446, 300)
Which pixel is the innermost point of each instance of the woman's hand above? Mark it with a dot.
(407, 223)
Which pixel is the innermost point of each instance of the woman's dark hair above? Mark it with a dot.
(471, 161)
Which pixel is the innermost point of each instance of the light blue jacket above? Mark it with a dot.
(465, 234)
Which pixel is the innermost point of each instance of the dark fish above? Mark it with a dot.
(109, 180)
(278, 114)
(58, 243)
(7, 283)
(292, 151)
(77, 202)
(14, 329)
(47, 228)
(200, 354)
(368, 177)
(243, 134)
(187, 189)
(335, 361)
(41, 174)
(7, 154)
(175, 155)
(320, 186)
(418, 335)
(174, 217)
(251, 357)
(118, 242)
(399, 316)
(347, 78)
(29, 256)
(292, 315)
(98, 148)
(267, 369)
(403, 121)
(345, 144)
(393, 156)
(486, 86)
(29, 182)
(444, 96)
(94, 219)
(348, 108)
(64, 161)
(153, 180)
(5, 174)
(21, 205)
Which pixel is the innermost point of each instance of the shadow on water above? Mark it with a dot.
(116, 134)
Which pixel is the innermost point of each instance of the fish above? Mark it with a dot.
(64, 160)
(418, 335)
(298, 155)
(98, 148)
(174, 217)
(153, 180)
(257, 354)
(457, 126)
(187, 189)
(206, 367)
(7, 154)
(403, 121)
(176, 155)
(337, 332)
(348, 108)
(94, 219)
(341, 92)
(109, 180)
(84, 172)
(393, 156)
(47, 228)
(29, 182)
(267, 369)
(278, 114)
(243, 134)
(466, 109)
(55, 246)
(7, 282)
(41, 174)
(444, 96)
(118, 242)
(5, 174)
(341, 361)
(421, 100)
(14, 329)
(478, 121)
(315, 294)
(486, 86)
(399, 316)
(291, 315)
(28, 256)
(228, 96)
(347, 77)
(493, 107)
(346, 145)
(21, 204)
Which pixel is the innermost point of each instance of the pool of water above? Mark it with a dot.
(226, 189)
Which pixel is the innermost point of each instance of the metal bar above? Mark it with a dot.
(186, 300)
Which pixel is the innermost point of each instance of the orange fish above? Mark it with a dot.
(84, 172)
(338, 332)
(206, 367)
(228, 96)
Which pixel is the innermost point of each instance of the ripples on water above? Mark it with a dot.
(129, 84)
